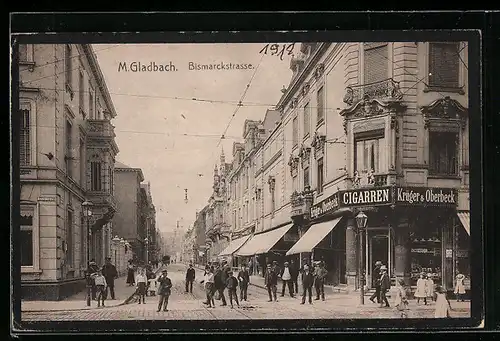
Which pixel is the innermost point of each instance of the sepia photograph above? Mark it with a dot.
(248, 181)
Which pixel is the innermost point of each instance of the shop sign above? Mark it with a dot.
(449, 253)
(330, 204)
(426, 196)
(363, 197)
(422, 250)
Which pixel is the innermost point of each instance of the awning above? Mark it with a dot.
(465, 219)
(234, 246)
(263, 242)
(313, 237)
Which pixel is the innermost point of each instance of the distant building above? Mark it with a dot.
(67, 153)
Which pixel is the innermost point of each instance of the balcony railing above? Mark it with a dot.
(367, 179)
(102, 128)
(102, 198)
(387, 89)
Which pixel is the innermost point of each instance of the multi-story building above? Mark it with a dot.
(67, 151)
(149, 213)
(132, 203)
(200, 244)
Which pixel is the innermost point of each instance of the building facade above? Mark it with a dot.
(132, 203)
(67, 152)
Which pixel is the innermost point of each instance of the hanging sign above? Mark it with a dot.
(426, 196)
(328, 205)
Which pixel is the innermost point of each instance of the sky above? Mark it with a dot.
(174, 139)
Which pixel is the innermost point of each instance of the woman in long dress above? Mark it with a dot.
(460, 287)
(421, 291)
(443, 305)
(130, 274)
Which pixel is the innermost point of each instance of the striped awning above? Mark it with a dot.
(234, 246)
(314, 235)
(465, 219)
(263, 242)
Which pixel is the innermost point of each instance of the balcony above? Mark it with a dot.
(368, 179)
(301, 204)
(103, 209)
(386, 90)
(100, 129)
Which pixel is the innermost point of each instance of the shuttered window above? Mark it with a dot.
(307, 119)
(444, 63)
(295, 125)
(376, 62)
(25, 140)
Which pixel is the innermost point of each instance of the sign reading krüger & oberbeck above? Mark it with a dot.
(385, 196)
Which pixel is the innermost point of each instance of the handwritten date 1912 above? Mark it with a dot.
(278, 49)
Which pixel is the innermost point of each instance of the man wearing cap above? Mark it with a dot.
(307, 284)
(385, 285)
(164, 289)
(190, 277)
(376, 282)
(320, 274)
(286, 278)
(271, 281)
(110, 274)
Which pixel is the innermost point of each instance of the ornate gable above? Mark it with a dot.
(445, 109)
(318, 143)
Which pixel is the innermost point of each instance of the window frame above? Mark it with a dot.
(98, 177)
(30, 55)
(306, 109)
(81, 93)
(295, 131)
(431, 171)
(34, 208)
(70, 252)
(320, 120)
(68, 157)
(462, 72)
(306, 170)
(320, 175)
(371, 135)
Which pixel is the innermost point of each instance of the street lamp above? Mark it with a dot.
(146, 242)
(361, 220)
(87, 210)
(116, 242)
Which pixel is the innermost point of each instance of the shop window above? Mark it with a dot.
(25, 138)
(376, 63)
(369, 151)
(444, 65)
(443, 153)
(26, 236)
(320, 175)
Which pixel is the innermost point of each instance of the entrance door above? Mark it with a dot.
(378, 250)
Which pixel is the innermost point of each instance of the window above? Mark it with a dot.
(307, 120)
(321, 102)
(443, 152)
(69, 239)
(83, 164)
(376, 62)
(81, 95)
(26, 236)
(68, 67)
(26, 53)
(369, 151)
(320, 175)
(95, 174)
(294, 183)
(91, 103)
(69, 156)
(306, 177)
(111, 180)
(295, 127)
(25, 138)
(444, 65)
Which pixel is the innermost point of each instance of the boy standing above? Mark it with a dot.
(100, 283)
(232, 284)
(244, 279)
(165, 285)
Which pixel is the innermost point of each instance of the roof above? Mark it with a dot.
(123, 167)
(118, 164)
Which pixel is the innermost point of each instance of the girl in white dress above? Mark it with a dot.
(429, 287)
(421, 291)
(460, 287)
(401, 301)
(443, 305)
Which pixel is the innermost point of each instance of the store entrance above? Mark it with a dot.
(378, 249)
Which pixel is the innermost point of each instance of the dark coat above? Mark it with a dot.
(244, 277)
(271, 278)
(231, 282)
(219, 282)
(376, 276)
(190, 274)
(109, 272)
(385, 282)
(165, 285)
(294, 272)
(307, 279)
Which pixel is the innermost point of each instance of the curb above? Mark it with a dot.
(80, 309)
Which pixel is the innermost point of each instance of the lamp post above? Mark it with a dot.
(122, 255)
(361, 220)
(87, 209)
(116, 242)
(146, 242)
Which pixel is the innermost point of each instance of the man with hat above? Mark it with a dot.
(110, 274)
(385, 285)
(307, 284)
(320, 274)
(376, 282)
(190, 277)
(164, 290)
(286, 278)
(271, 281)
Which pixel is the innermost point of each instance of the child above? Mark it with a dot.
(421, 291)
(429, 287)
(209, 287)
(100, 283)
(443, 305)
(141, 283)
(152, 286)
(232, 285)
(460, 287)
(401, 301)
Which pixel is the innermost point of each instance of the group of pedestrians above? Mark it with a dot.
(102, 280)
(218, 277)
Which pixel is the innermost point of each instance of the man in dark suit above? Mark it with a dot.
(385, 285)
(190, 277)
(271, 281)
(110, 274)
(294, 271)
(307, 284)
(376, 282)
(220, 284)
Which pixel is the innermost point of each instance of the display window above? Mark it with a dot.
(426, 256)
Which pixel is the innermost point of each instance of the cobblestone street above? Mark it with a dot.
(186, 306)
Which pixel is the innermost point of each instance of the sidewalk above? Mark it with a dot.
(79, 301)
